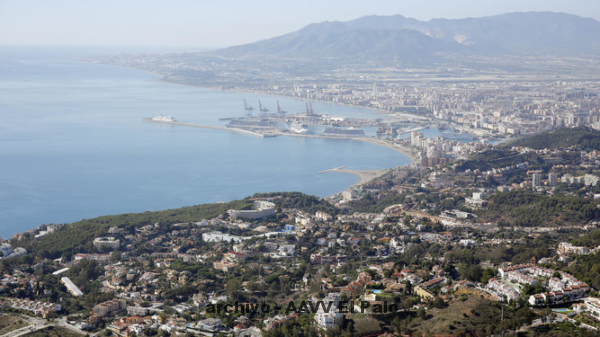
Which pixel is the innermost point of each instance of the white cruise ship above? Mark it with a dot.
(162, 118)
(298, 128)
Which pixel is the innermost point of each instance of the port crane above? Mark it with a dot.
(248, 109)
(279, 111)
(262, 108)
(309, 109)
(310, 112)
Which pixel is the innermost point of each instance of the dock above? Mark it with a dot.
(205, 126)
(415, 158)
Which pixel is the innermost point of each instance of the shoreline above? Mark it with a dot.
(406, 151)
(400, 149)
(364, 176)
(254, 91)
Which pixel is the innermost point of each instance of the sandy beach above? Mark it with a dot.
(414, 158)
(364, 176)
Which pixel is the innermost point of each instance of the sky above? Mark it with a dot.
(221, 23)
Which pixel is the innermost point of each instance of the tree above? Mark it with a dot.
(473, 273)
(439, 303)
(408, 288)
(397, 325)
(350, 329)
(115, 256)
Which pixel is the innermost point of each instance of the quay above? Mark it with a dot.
(204, 126)
(415, 158)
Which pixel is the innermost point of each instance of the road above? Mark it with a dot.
(26, 330)
(36, 324)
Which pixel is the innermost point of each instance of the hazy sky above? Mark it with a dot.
(217, 23)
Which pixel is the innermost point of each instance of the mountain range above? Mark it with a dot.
(398, 39)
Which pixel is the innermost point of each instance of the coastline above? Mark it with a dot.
(251, 91)
(406, 151)
(400, 149)
(364, 176)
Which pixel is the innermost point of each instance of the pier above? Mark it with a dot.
(205, 126)
(415, 158)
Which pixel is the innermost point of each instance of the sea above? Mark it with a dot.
(73, 143)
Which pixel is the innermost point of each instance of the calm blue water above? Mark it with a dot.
(73, 144)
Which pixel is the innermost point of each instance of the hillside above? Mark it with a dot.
(526, 209)
(79, 236)
(531, 32)
(397, 39)
(335, 41)
(467, 315)
(579, 138)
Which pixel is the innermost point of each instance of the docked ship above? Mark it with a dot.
(299, 128)
(162, 118)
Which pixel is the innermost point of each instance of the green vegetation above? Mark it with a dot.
(53, 332)
(78, 237)
(559, 330)
(302, 326)
(525, 208)
(375, 205)
(465, 316)
(592, 240)
(362, 325)
(301, 201)
(580, 138)
(495, 159)
(10, 323)
(587, 269)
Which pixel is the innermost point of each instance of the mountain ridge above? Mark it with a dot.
(386, 39)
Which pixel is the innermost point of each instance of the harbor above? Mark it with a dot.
(273, 133)
(205, 126)
(309, 124)
(364, 176)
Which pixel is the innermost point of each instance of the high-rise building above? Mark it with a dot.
(416, 138)
(552, 178)
(536, 180)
